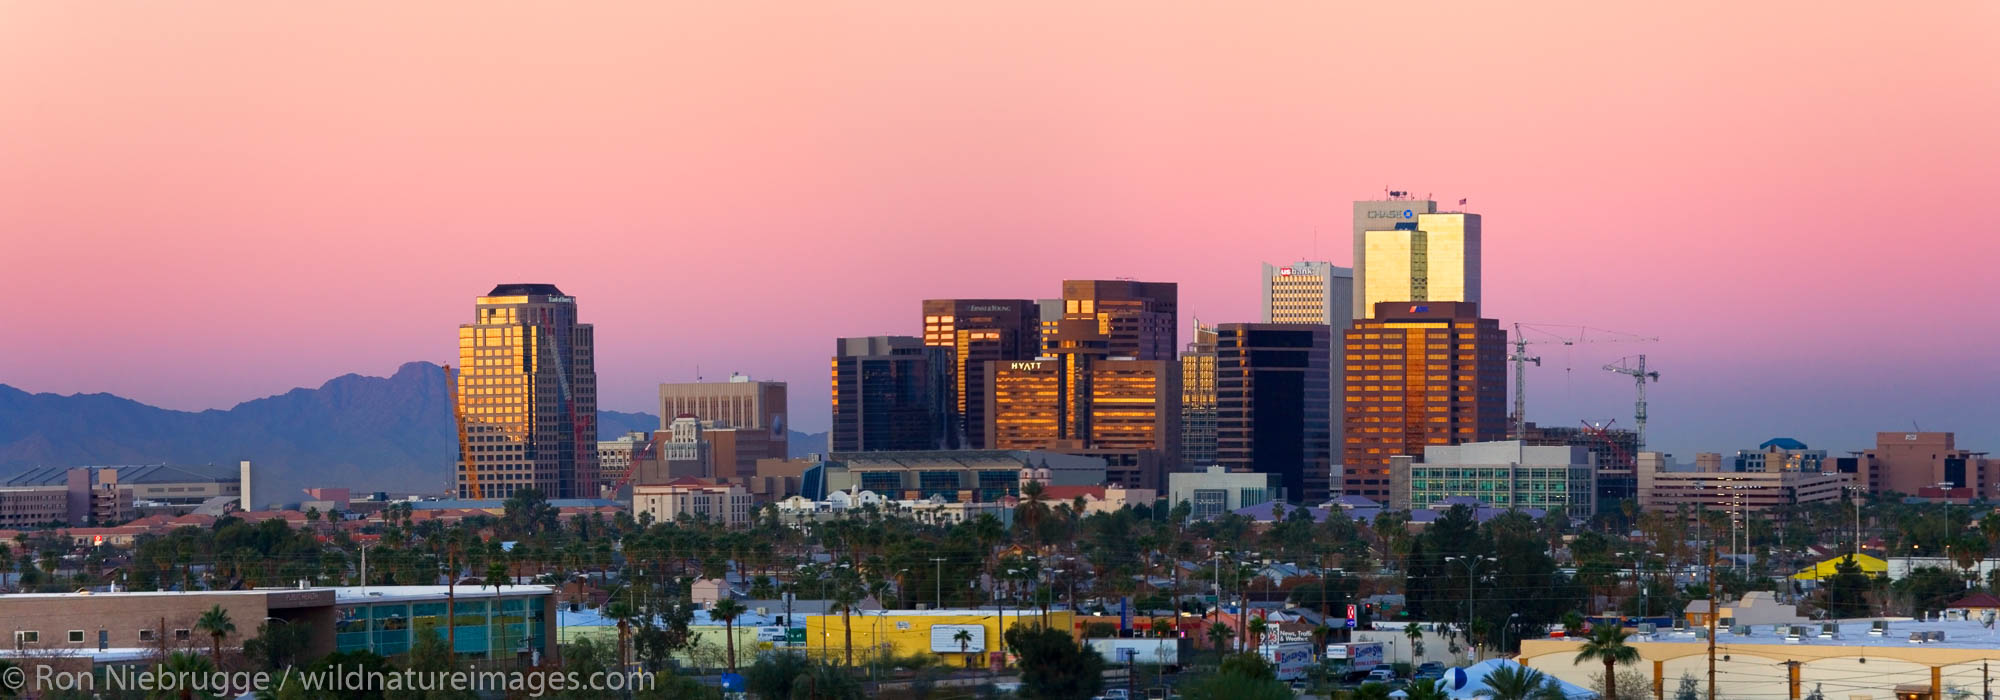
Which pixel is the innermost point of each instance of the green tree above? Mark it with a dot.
(184, 667)
(1847, 590)
(1516, 682)
(277, 646)
(1606, 644)
(216, 624)
(1689, 688)
(429, 654)
(1218, 637)
(727, 610)
(1424, 689)
(1372, 691)
(1053, 666)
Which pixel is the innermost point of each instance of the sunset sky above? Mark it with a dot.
(206, 202)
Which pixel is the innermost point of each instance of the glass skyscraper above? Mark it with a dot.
(527, 389)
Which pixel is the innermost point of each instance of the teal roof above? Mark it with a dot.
(1782, 443)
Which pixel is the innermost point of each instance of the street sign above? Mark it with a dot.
(795, 636)
(1125, 614)
(1352, 620)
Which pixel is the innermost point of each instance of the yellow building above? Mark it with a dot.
(1433, 258)
(909, 632)
(1826, 569)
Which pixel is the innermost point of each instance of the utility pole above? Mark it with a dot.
(1985, 680)
(1714, 611)
(1792, 678)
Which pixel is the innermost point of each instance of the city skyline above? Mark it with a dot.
(1771, 207)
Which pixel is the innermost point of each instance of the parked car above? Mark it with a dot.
(1381, 675)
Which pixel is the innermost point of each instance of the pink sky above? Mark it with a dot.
(205, 202)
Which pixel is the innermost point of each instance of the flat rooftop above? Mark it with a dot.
(1958, 634)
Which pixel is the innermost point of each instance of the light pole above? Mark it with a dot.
(939, 561)
(1504, 629)
(1471, 564)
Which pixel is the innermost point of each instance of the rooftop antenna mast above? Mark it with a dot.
(1636, 370)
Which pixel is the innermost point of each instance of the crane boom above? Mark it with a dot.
(1639, 374)
(1548, 333)
(464, 444)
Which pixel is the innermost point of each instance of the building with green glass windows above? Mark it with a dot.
(506, 623)
(1502, 474)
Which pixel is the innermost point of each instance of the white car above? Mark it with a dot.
(1381, 675)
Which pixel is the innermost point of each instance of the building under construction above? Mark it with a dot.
(1617, 452)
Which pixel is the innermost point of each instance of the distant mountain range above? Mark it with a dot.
(368, 433)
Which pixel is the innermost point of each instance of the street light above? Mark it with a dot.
(1471, 563)
(1504, 629)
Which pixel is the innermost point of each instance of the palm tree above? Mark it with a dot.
(846, 592)
(622, 612)
(1428, 690)
(1607, 644)
(1512, 682)
(1218, 635)
(185, 666)
(727, 610)
(1372, 691)
(1257, 629)
(216, 623)
(496, 576)
(964, 639)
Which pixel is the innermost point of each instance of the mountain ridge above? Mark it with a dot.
(368, 433)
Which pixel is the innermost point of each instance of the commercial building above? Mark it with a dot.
(1502, 474)
(1271, 404)
(1851, 659)
(1198, 398)
(1117, 318)
(1398, 211)
(1615, 449)
(1122, 410)
(1781, 454)
(1665, 488)
(678, 451)
(614, 457)
(501, 622)
(891, 393)
(100, 495)
(700, 499)
(978, 331)
(1419, 374)
(1909, 463)
(904, 633)
(753, 413)
(1315, 292)
(1418, 257)
(955, 475)
(527, 391)
(1214, 491)
(1107, 385)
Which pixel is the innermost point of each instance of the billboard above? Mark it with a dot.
(1291, 660)
(1360, 656)
(944, 639)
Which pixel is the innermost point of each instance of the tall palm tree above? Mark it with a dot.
(622, 612)
(216, 623)
(1607, 644)
(1512, 682)
(727, 610)
(1257, 628)
(185, 666)
(846, 592)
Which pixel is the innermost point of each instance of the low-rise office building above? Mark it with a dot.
(1502, 474)
(1215, 490)
(699, 499)
(501, 622)
(1664, 489)
(954, 475)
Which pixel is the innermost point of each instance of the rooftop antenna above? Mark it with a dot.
(697, 373)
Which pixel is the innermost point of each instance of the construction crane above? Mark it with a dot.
(1636, 370)
(464, 444)
(1546, 334)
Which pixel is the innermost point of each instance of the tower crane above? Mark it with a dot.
(1545, 334)
(1636, 370)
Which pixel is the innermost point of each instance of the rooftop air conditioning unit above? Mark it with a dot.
(1648, 628)
(1829, 630)
(1878, 628)
(1740, 630)
(1918, 638)
(1795, 633)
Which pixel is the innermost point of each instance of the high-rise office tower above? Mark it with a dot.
(528, 391)
(1122, 410)
(1272, 406)
(1419, 373)
(1198, 399)
(1427, 257)
(978, 331)
(1310, 291)
(743, 420)
(890, 393)
(1117, 318)
(1108, 384)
